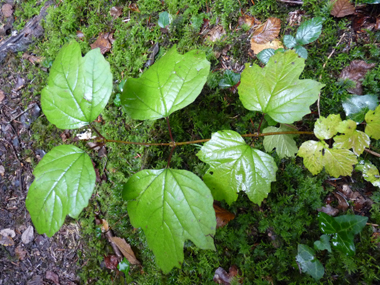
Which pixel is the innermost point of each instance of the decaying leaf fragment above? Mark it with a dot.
(356, 71)
(342, 8)
(116, 12)
(222, 277)
(103, 43)
(125, 249)
(248, 20)
(216, 33)
(275, 44)
(267, 32)
(222, 216)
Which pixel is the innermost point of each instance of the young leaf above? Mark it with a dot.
(78, 87)
(325, 128)
(285, 144)
(311, 151)
(373, 123)
(276, 89)
(370, 172)
(308, 263)
(265, 55)
(357, 106)
(64, 182)
(309, 31)
(170, 84)
(164, 19)
(289, 41)
(124, 266)
(171, 206)
(235, 166)
(339, 162)
(343, 229)
(301, 51)
(354, 139)
(323, 243)
(229, 79)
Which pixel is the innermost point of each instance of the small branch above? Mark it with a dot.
(170, 156)
(117, 251)
(14, 118)
(372, 152)
(99, 134)
(291, 2)
(262, 118)
(170, 130)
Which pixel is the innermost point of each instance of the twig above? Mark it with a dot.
(117, 251)
(27, 109)
(292, 2)
(374, 225)
(170, 156)
(14, 151)
(372, 152)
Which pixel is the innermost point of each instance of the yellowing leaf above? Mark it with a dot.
(339, 162)
(373, 123)
(325, 128)
(275, 44)
(311, 151)
(354, 139)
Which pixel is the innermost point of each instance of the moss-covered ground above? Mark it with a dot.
(262, 240)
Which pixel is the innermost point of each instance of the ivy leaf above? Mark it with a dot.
(354, 139)
(285, 144)
(235, 167)
(301, 51)
(323, 243)
(171, 206)
(78, 87)
(311, 151)
(370, 172)
(265, 55)
(169, 85)
(373, 123)
(342, 229)
(339, 162)
(309, 31)
(308, 263)
(325, 128)
(357, 106)
(289, 41)
(64, 182)
(229, 79)
(276, 89)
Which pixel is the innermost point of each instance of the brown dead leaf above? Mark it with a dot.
(275, 44)
(33, 59)
(342, 202)
(342, 8)
(134, 7)
(125, 249)
(267, 32)
(356, 71)
(248, 20)
(20, 252)
(103, 43)
(216, 33)
(222, 277)
(105, 227)
(111, 262)
(377, 25)
(329, 210)
(7, 10)
(295, 17)
(2, 96)
(50, 275)
(222, 216)
(116, 12)
(6, 241)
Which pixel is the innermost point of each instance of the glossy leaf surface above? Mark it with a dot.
(64, 182)
(289, 41)
(124, 266)
(342, 229)
(326, 128)
(229, 79)
(311, 151)
(357, 106)
(301, 51)
(323, 243)
(170, 84)
(78, 87)
(352, 138)
(276, 89)
(235, 167)
(265, 55)
(309, 31)
(373, 123)
(308, 263)
(285, 145)
(370, 172)
(171, 206)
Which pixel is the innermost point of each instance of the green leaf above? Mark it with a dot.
(124, 266)
(370, 172)
(285, 144)
(171, 206)
(354, 139)
(339, 162)
(265, 55)
(170, 84)
(117, 100)
(229, 79)
(164, 19)
(311, 151)
(323, 243)
(78, 87)
(269, 120)
(357, 106)
(301, 51)
(276, 89)
(308, 263)
(373, 123)
(64, 182)
(289, 41)
(342, 229)
(235, 167)
(325, 128)
(309, 31)
(370, 1)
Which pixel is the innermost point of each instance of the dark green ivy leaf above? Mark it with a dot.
(229, 79)
(124, 266)
(357, 106)
(323, 243)
(308, 263)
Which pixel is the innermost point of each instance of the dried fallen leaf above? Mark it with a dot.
(27, 235)
(216, 33)
(105, 226)
(33, 59)
(267, 32)
(342, 202)
(116, 12)
(7, 232)
(50, 275)
(222, 277)
(6, 241)
(7, 10)
(111, 262)
(20, 252)
(125, 249)
(295, 17)
(2, 170)
(2, 96)
(222, 216)
(103, 43)
(275, 44)
(248, 20)
(329, 210)
(356, 71)
(342, 8)
(134, 7)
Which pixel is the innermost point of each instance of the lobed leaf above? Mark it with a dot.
(323, 243)
(311, 151)
(285, 145)
(373, 123)
(64, 182)
(370, 172)
(169, 85)
(276, 89)
(326, 128)
(78, 88)
(339, 162)
(235, 167)
(171, 206)
(308, 263)
(354, 139)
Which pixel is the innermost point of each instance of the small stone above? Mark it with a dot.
(2, 170)
(28, 235)
(7, 10)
